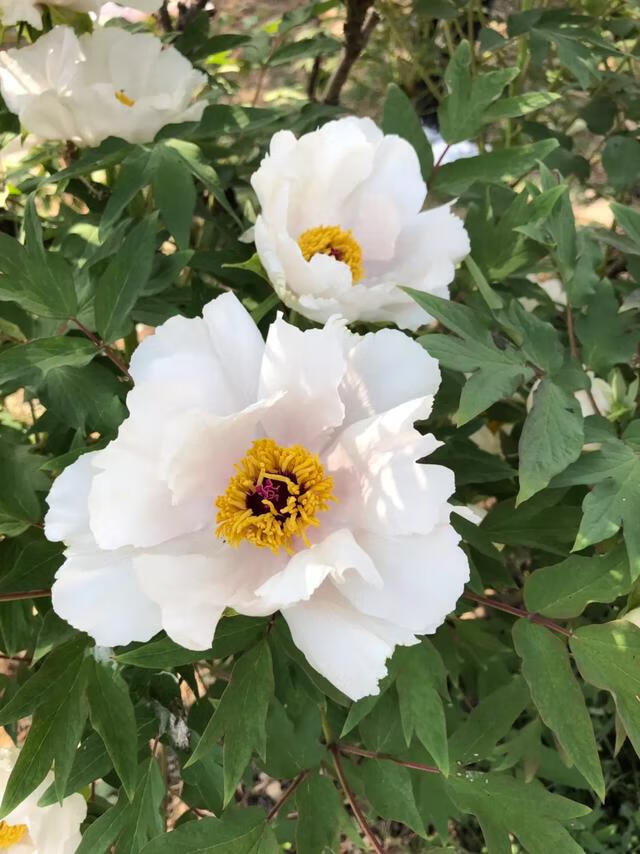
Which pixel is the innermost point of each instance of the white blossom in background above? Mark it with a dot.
(341, 225)
(107, 83)
(445, 153)
(30, 829)
(552, 287)
(277, 476)
(14, 11)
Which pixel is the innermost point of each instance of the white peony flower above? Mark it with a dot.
(341, 225)
(30, 829)
(14, 11)
(264, 477)
(107, 83)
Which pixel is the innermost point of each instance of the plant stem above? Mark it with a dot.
(275, 809)
(360, 817)
(516, 612)
(24, 594)
(369, 754)
(356, 35)
(104, 348)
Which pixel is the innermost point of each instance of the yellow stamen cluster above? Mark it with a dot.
(10, 834)
(122, 96)
(332, 240)
(274, 497)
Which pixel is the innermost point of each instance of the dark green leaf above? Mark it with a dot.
(401, 118)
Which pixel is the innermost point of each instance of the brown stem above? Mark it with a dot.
(436, 165)
(360, 817)
(369, 754)
(104, 348)
(24, 594)
(164, 17)
(516, 612)
(314, 76)
(275, 809)
(356, 33)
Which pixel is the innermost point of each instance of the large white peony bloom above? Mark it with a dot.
(341, 225)
(30, 829)
(264, 477)
(107, 83)
(14, 11)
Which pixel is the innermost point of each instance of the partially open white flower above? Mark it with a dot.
(30, 829)
(14, 11)
(341, 225)
(264, 477)
(107, 83)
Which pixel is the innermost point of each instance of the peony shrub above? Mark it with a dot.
(319, 447)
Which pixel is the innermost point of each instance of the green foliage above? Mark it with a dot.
(514, 728)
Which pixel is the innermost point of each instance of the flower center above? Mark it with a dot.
(122, 96)
(11, 833)
(274, 497)
(332, 240)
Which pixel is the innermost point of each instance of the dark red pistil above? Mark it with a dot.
(335, 253)
(274, 491)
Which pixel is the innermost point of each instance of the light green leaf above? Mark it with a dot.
(608, 657)
(501, 164)
(551, 439)
(566, 588)
(519, 105)
(28, 364)
(558, 697)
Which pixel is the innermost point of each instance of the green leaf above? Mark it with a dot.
(112, 716)
(490, 296)
(174, 192)
(566, 588)
(608, 657)
(124, 280)
(390, 793)
(538, 524)
(551, 439)
(28, 364)
(489, 721)
(621, 160)
(241, 716)
(100, 835)
(320, 816)
(401, 118)
(539, 341)
(55, 730)
(134, 175)
(629, 219)
(519, 105)
(85, 399)
(33, 568)
(497, 372)
(558, 697)
(607, 336)
(305, 49)
(144, 817)
(463, 111)
(419, 683)
(502, 804)
(238, 831)
(233, 634)
(501, 164)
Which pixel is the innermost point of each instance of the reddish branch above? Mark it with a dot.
(369, 754)
(24, 594)
(104, 348)
(360, 817)
(517, 612)
(275, 809)
(357, 30)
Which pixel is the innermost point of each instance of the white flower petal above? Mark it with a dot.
(348, 648)
(423, 577)
(378, 483)
(334, 556)
(68, 516)
(97, 592)
(309, 367)
(385, 369)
